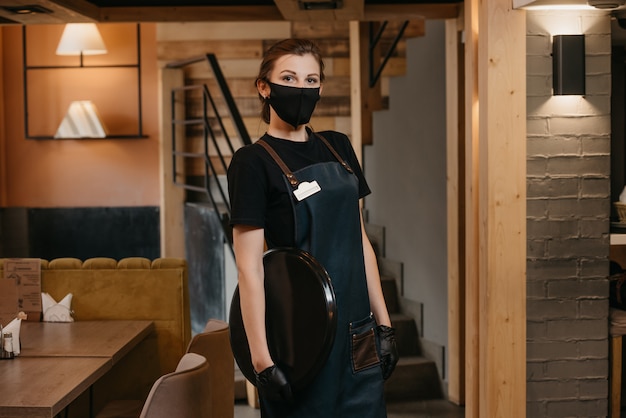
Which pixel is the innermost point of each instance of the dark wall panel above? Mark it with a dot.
(115, 232)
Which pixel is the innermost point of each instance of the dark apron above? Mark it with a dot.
(328, 226)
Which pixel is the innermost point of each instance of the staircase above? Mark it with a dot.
(415, 377)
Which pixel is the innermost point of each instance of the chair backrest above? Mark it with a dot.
(183, 393)
(214, 344)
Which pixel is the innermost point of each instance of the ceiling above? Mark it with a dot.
(64, 11)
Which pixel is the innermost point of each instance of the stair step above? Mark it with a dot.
(415, 378)
(407, 339)
(390, 292)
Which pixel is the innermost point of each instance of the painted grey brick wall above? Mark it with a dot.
(568, 209)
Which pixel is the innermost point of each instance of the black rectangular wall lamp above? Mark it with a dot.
(568, 64)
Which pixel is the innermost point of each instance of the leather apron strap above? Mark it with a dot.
(293, 180)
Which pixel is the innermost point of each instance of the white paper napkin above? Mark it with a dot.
(56, 312)
(622, 196)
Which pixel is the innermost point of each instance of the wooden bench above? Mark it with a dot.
(131, 288)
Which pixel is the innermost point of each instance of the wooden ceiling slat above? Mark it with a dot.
(62, 11)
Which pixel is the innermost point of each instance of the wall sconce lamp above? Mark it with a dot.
(81, 39)
(568, 65)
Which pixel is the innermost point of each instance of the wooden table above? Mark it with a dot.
(82, 338)
(59, 361)
(36, 387)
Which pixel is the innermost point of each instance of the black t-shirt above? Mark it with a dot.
(258, 192)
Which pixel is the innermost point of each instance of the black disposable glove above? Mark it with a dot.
(388, 350)
(273, 385)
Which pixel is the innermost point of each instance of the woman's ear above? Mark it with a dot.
(263, 88)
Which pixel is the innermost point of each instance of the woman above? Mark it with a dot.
(325, 221)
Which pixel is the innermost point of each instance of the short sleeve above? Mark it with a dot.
(247, 188)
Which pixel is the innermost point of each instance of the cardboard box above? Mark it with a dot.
(20, 289)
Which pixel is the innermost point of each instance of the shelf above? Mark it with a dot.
(112, 81)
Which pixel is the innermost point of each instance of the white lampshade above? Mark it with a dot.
(81, 39)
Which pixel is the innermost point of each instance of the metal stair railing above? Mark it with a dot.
(374, 41)
(213, 129)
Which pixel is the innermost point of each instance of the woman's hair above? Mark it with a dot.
(279, 49)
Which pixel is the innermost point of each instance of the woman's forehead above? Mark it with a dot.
(298, 64)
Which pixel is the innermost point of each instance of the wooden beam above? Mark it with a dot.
(190, 14)
(76, 8)
(3, 136)
(382, 12)
(496, 209)
(455, 157)
(615, 376)
(172, 207)
(290, 10)
(65, 11)
(364, 100)
(471, 210)
(59, 12)
(355, 88)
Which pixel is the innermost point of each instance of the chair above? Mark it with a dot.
(214, 344)
(183, 393)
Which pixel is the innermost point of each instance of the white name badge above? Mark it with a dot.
(306, 189)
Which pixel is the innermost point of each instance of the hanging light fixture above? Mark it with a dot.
(81, 39)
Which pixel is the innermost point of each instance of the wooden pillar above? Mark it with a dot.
(615, 378)
(363, 99)
(3, 139)
(455, 128)
(495, 209)
(472, 368)
(172, 208)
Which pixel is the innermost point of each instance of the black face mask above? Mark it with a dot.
(294, 105)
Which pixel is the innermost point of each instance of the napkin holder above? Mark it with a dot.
(10, 337)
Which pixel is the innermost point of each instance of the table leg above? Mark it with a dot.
(91, 414)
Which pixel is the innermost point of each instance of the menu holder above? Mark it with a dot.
(20, 289)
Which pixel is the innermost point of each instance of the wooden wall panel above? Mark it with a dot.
(181, 50)
(226, 31)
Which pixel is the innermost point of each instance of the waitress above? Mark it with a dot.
(324, 220)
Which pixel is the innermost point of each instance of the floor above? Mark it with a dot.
(418, 409)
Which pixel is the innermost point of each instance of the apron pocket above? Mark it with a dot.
(363, 344)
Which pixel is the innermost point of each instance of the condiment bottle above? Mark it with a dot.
(7, 350)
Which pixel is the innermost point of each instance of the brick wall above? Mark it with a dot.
(568, 185)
